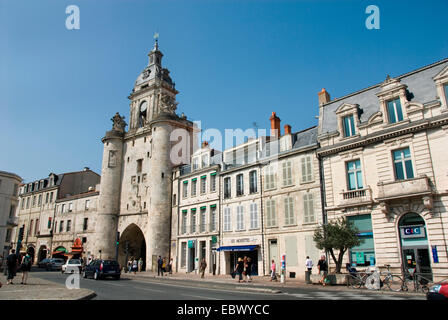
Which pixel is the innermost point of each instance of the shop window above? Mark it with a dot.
(364, 253)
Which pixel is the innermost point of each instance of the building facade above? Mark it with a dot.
(38, 208)
(385, 169)
(9, 200)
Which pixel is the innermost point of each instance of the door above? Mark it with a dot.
(417, 260)
(273, 254)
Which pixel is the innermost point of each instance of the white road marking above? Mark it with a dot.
(148, 289)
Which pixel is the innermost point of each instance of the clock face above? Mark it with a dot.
(143, 106)
(146, 73)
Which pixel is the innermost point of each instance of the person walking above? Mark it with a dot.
(249, 269)
(140, 264)
(159, 266)
(135, 266)
(170, 266)
(309, 264)
(25, 267)
(239, 269)
(273, 271)
(11, 262)
(202, 267)
(129, 265)
(322, 265)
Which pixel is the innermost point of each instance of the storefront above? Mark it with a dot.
(232, 253)
(414, 245)
(363, 255)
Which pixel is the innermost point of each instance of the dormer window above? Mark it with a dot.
(394, 111)
(445, 88)
(204, 160)
(349, 125)
(195, 163)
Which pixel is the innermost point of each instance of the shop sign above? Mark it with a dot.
(360, 258)
(214, 239)
(413, 232)
(191, 243)
(435, 255)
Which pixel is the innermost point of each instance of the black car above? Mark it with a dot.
(43, 263)
(99, 269)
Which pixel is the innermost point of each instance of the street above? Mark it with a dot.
(166, 289)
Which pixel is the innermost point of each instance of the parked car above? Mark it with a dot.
(55, 264)
(43, 263)
(99, 269)
(72, 266)
(438, 291)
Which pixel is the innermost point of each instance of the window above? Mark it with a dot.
(213, 182)
(185, 189)
(239, 218)
(253, 181)
(349, 126)
(213, 218)
(36, 227)
(87, 205)
(61, 226)
(193, 221)
(354, 175)
(193, 187)
(34, 201)
(270, 177)
(203, 219)
(227, 220)
(227, 189)
(28, 202)
(69, 225)
(403, 164)
(445, 88)
(204, 160)
(394, 111)
(184, 222)
(85, 224)
(63, 208)
(307, 169)
(364, 253)
(308, 208)
(289, 211)
(253, 216)
(139, 165)
(142, 114)
(195, 163)
(183, 255)
(31, 227)
(287, 173)
(46, 197)
(203, 184)
(12, 210)
(239, 185)
(22, 205)
(271, 219)
(70, 207)
(8, 235)
(51, 197)
(39, 201)
(49, 223)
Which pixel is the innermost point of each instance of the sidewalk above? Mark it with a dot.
(39, 289)
(259, 283)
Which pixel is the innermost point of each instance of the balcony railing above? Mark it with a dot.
(404, 188)
(356, 197)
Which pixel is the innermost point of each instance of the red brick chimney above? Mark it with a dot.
(324, 96)
(287, 129)
(204, 144)
(275, 125)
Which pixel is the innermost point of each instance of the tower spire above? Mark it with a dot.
(156, 44)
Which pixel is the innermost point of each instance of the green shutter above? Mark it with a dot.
(203, 208)
(213, 206)
(213, 174)
(184, 211)
(203, 177)
(194, 179)
(194, 209)
(186, 181)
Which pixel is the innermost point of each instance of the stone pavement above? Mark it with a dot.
(259, 283)
(39, 289)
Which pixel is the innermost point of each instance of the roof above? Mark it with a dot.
(305, 138)
(419, 83)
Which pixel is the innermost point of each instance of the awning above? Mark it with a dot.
(238, 248)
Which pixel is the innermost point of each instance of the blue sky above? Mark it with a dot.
(234, 62)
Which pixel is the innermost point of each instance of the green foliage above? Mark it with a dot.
(340, 235)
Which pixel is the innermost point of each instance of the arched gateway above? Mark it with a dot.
(132, 244)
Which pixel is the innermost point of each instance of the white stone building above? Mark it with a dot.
(385, 169)
(9, 192)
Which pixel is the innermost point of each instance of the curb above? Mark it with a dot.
(90, 296)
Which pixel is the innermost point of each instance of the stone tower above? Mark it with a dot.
(109, 198)
(137, 191)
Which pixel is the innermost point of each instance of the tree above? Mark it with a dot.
(338, 235)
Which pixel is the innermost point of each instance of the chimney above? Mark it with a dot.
(204, 144)
(86, 168)
(324, 96)
(275, 125)
(287, 129)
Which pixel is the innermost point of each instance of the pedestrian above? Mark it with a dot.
(25, 267)
(245, 268)
(309, 264)
(140, 264)
(273, 271)
(159, 266)
(202, 267)
(239, 269)
(322, 265)
(11, 262)
(135, 266)
(170, 267)
(130, 265)
(249, 269)
(163, 265)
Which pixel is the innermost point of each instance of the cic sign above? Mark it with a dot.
(413, 232)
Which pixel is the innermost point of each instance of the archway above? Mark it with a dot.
(414, 245)
(132, 245)
(42, 253)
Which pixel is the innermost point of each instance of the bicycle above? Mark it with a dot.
(392, 282)
(356, 280)
(417, 282)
